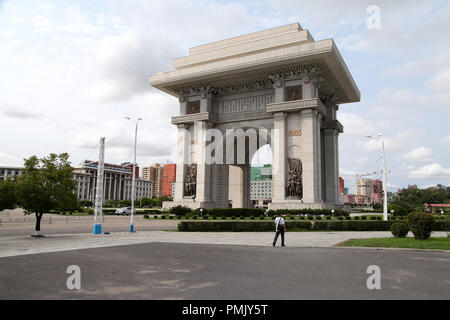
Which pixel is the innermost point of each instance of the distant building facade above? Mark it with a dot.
(9, 172)
(368, 192)
(169, 177)
(154, 173)
(117, 182)
(261, 186)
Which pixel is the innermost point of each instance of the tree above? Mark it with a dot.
(7, 194)
(85, 203)
(46, 184)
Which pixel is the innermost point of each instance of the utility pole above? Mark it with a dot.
(133, 179)
(385, 209)
(99, 191)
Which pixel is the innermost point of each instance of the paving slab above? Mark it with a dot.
(20, 245)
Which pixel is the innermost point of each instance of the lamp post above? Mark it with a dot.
(133, 176)
(385, 210)
(201, 212)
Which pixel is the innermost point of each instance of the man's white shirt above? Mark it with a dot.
(279, 220)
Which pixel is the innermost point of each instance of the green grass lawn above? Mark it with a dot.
(442, 243)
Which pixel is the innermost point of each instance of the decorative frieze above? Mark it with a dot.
(297, 105)
(191, 118)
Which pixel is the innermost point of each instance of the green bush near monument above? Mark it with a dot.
(399, 229)
(421, 225)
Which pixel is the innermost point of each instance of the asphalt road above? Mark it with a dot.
(201, 271)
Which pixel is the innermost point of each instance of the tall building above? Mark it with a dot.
(154, 173)
(169, 177)
(261, 186)
(261, 173)
(364, 187)
(341, 186)
(377, 195)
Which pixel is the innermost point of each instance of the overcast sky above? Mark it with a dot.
(71, 70)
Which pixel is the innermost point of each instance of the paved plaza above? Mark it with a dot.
(206, 271)
(156, 264)
(19, 245)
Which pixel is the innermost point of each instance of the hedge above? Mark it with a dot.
(239, 225)
(318, 225)
(313, 212)
(235, 212)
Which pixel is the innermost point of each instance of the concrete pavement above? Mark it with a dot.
(211, 271)
(20, 245)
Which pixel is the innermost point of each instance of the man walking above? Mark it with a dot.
(280, 228)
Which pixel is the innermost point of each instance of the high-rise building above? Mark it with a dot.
(261, 173)
(377, 195)
(341, 186)
(364, 187)
(154, 173)
(169, 177)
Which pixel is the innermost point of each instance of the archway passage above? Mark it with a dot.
(279, 81)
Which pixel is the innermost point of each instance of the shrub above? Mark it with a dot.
(145, 216)
(399, 229)
(163, 217)
(180, 211)
(347, 218)
(420, 225)
(398, 209)
(171, 217)
(340, 218)
(194, 217)
(373, 218)
(318, 218)
(356, 218)
(363, 217)
(301, 218)
(155, 217)
(310, 217)
(179, 217)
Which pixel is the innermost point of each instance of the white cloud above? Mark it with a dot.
(16, 111)
(419, 154)
(355, 125)
(398, 142)
(432, 171)
(445, 139)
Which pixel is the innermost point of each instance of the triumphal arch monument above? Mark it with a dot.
(278, 87)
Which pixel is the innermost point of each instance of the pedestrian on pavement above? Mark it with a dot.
(280, 228)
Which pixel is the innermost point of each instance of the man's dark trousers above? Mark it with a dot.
(277, 233)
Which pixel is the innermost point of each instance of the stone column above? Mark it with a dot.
(279, 154)
(183, 158)
(246, 185)
(331, 180)
(331, 153)
(203, 168)
(311, 156)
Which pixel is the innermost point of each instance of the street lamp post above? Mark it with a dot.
(385, 210)
(133, 176)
